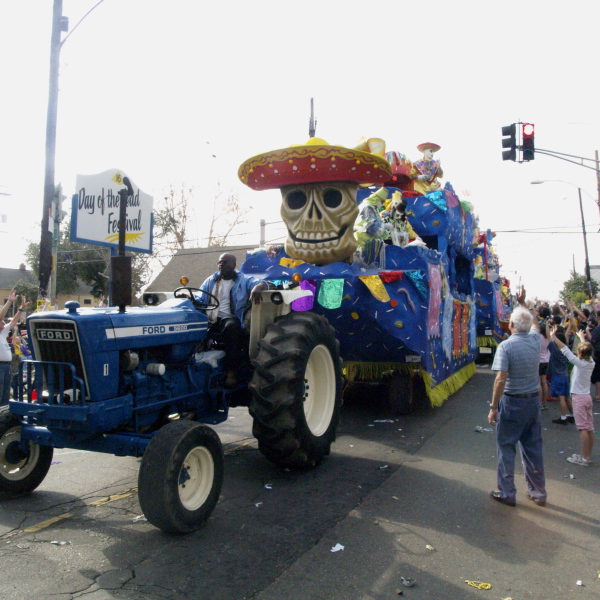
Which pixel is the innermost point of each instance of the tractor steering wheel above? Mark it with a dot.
(210, 305)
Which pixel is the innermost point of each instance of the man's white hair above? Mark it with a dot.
(521, 319)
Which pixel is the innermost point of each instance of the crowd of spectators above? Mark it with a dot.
(569, 320)
(570, 343)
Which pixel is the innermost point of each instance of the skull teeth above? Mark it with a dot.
(310, 246)
(316, 236)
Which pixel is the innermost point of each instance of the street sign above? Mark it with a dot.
(95, 212)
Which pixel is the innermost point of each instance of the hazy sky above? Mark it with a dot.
(157, 88)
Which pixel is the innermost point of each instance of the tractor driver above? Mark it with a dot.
(235, 291)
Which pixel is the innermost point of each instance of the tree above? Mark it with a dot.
(173, 218)
(576, 289)
(87, 263)
(27, 289)
(225, 218)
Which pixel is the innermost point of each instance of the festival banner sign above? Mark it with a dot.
(95, 212)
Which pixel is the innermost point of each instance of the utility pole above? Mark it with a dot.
(598, 179)
(588, 276)
(59, 24)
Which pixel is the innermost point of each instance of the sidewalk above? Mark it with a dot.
(433, 521)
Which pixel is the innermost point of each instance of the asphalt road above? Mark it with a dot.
(405, 497)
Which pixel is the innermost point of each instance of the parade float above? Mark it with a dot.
(493, 298)
(389, 256)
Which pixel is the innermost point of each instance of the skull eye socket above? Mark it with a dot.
(296, 199)
(332, 198)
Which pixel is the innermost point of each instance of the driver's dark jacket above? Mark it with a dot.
(240, 292)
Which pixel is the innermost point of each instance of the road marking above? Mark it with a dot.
(114, 497)
(231, 450)
(47, 523)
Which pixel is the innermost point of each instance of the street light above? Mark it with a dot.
(587, 261)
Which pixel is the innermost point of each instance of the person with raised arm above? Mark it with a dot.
(583, 366)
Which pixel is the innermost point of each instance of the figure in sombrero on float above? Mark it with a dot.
(425, 172)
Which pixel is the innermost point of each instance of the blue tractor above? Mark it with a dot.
(145, 382)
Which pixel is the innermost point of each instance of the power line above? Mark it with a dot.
(537, 231)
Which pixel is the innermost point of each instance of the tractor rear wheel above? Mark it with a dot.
(23, 464)
(297, 390)
(181, 476)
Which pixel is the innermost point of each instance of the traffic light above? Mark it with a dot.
(528, 132)
(509, 140)
(57, 213)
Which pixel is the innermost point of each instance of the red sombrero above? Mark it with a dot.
(314, 162)
(428, 146)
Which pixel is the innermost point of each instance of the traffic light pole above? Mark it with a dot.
(588, 275)
(579, 162)
(598, 179)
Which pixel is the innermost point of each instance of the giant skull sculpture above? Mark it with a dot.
(320, 219)
(318, 182)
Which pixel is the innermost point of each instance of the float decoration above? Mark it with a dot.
(425, 172)
(313, 162)
(376, 287)
(318, 183)
(331, 293)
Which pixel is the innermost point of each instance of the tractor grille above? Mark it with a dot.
(57, 341)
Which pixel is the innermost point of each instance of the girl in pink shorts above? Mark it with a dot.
(583, 365)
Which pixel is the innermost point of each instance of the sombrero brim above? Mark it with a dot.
(427, 145)
(313, 163)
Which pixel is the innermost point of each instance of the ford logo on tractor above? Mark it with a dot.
(55, 335)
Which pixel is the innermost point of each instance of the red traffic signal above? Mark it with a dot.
(528, 141)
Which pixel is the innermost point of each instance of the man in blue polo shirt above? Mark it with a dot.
(515, 407)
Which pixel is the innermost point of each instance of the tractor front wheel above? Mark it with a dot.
(23, 464)
(181, 476)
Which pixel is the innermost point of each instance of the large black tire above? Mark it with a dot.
(181, 476)
(23, 465)
(297, 390)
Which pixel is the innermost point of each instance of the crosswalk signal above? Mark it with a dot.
(509, 140)
(528, 133)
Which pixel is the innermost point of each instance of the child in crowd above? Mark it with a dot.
(583, 365)
(558, 368)
(544, 315)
